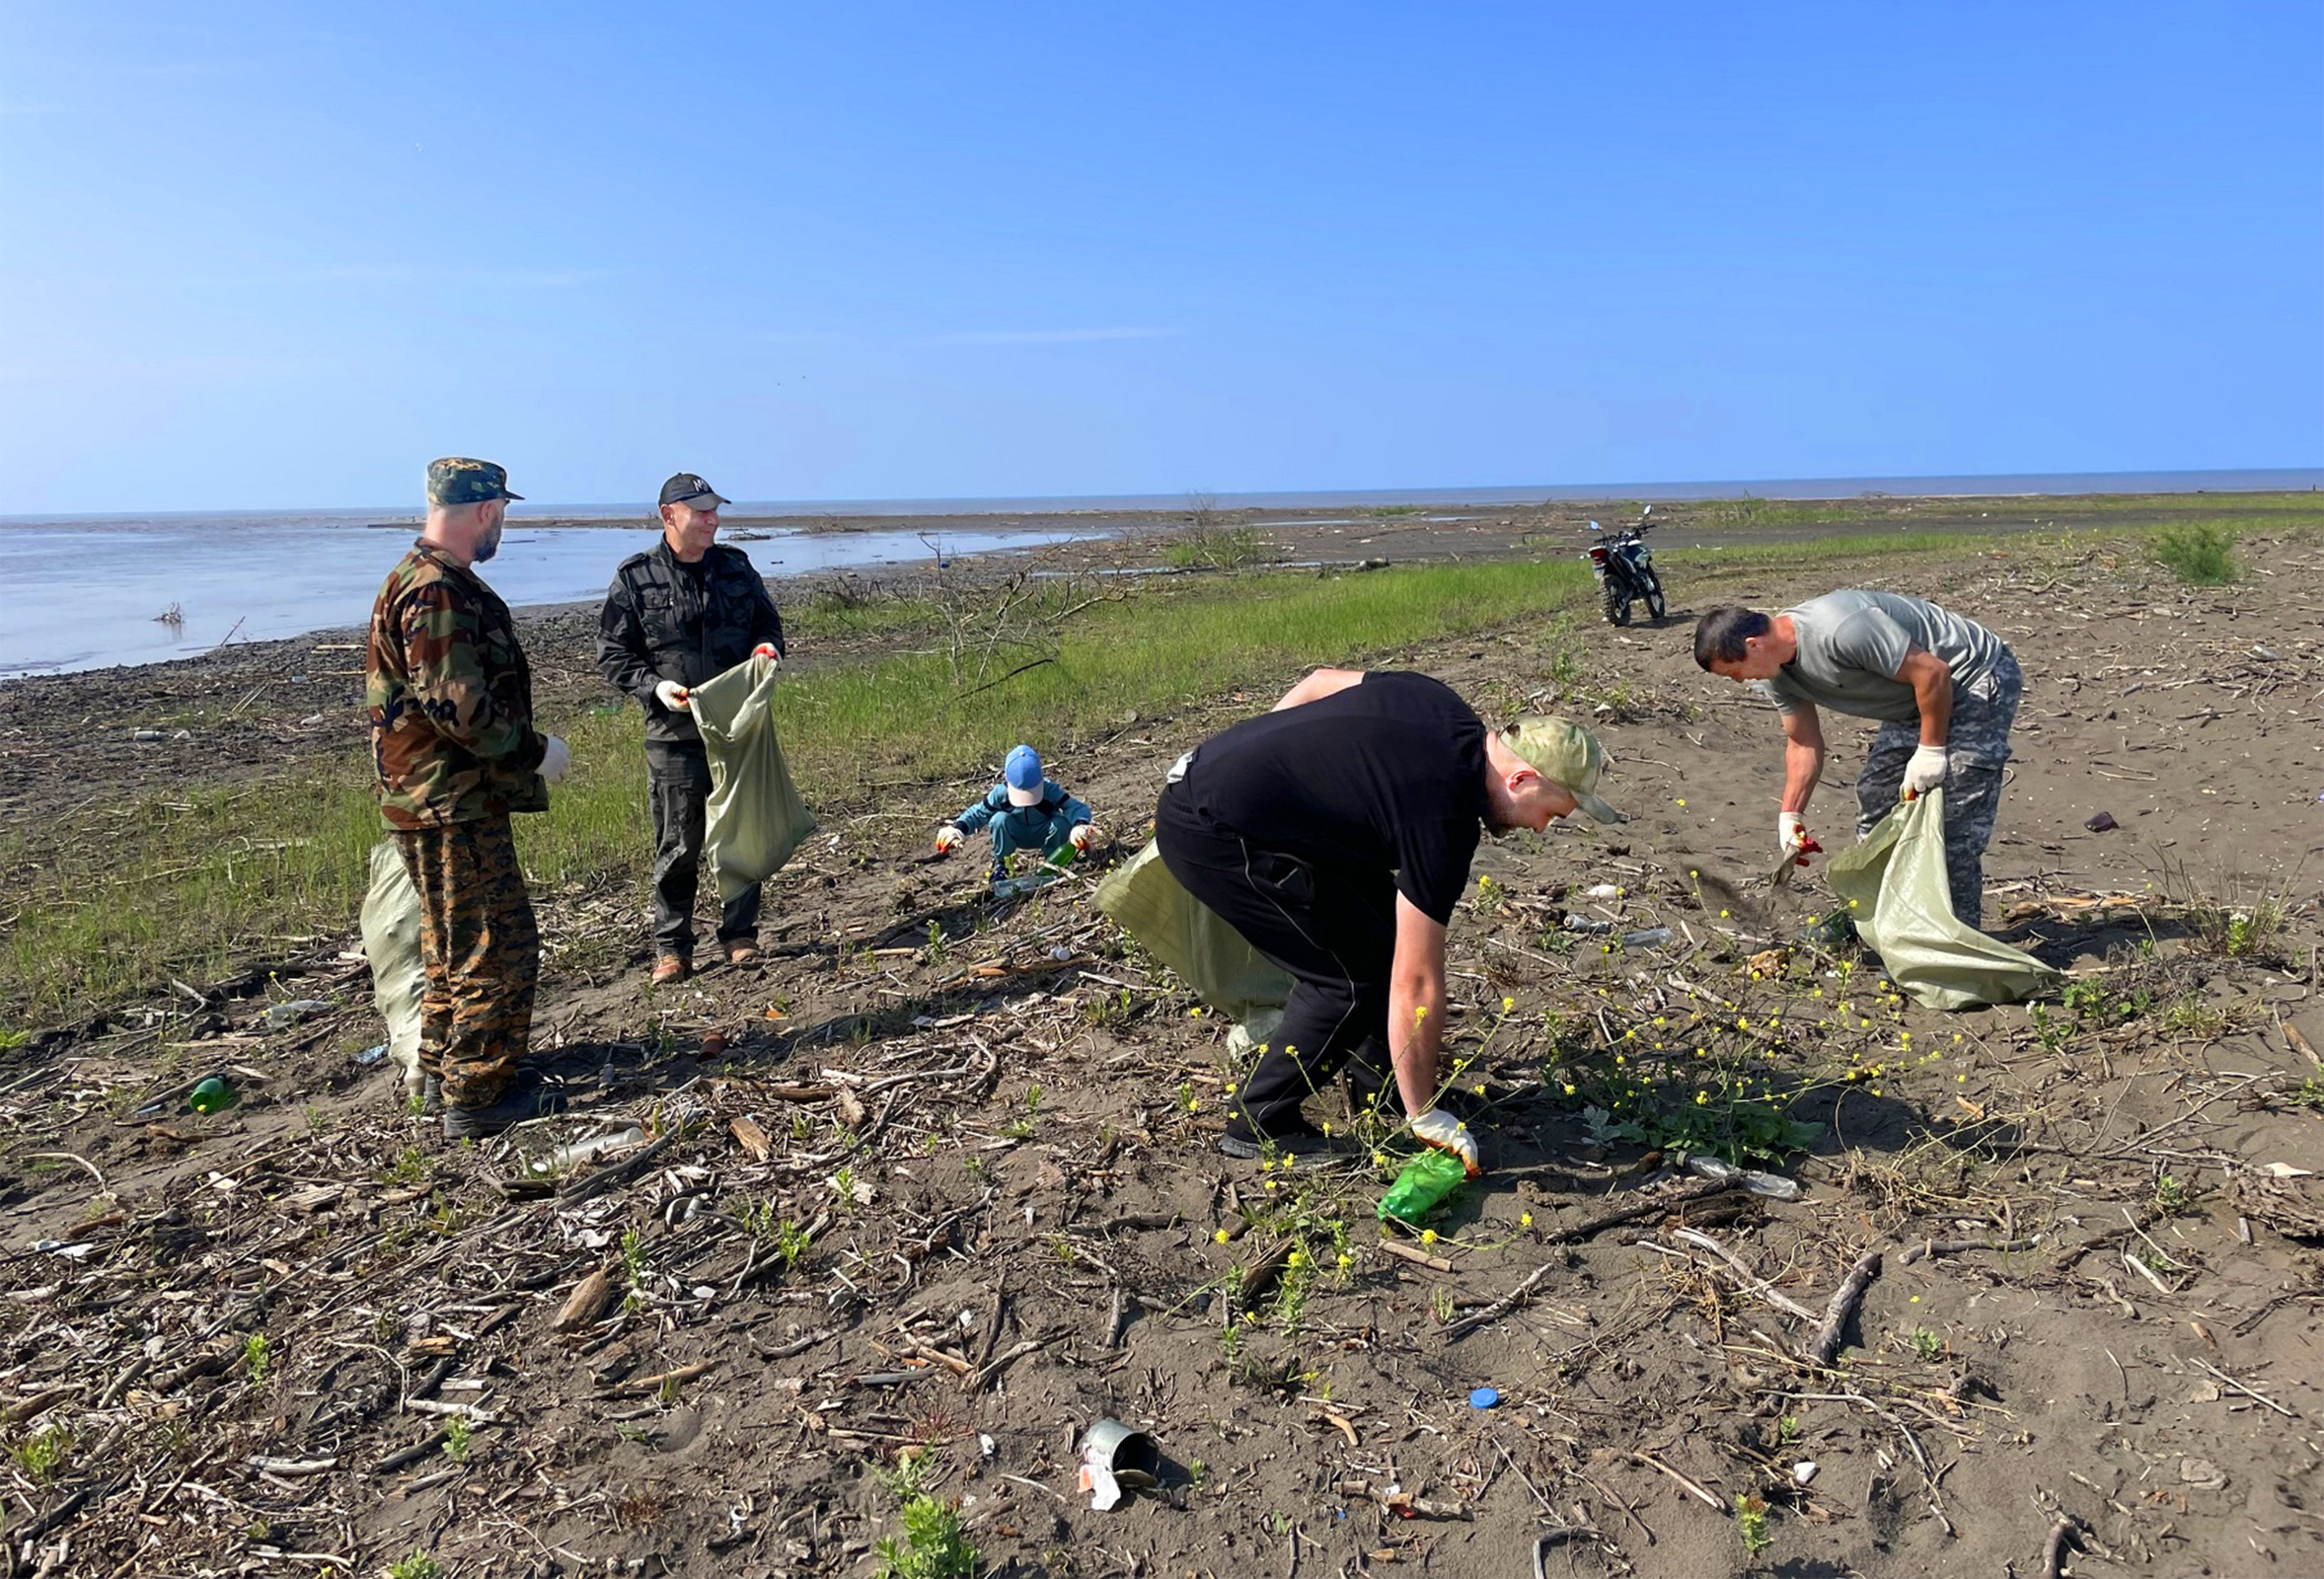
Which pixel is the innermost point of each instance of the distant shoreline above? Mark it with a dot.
(839, 512)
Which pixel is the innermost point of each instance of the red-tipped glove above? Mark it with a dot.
(947, 839)
(1441, 1130)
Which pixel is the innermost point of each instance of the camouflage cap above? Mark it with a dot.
(457, 479)
(1566, 754)
(688, 489)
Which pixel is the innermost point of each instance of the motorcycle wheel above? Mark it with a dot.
(1655, 607)
(1617, 603)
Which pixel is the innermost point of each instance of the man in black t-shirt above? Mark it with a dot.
(1335, 834)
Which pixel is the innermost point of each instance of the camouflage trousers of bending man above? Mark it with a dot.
(481, 953)
(1975, 751)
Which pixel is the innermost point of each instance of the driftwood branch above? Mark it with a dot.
(1825, 1347)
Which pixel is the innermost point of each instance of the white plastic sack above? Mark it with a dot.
(1894, 879)
(391, 941)
(755, 818)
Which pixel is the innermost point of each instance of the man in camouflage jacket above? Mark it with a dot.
(685, 610)
(456, 753)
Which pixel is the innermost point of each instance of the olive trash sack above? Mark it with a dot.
(1210, 957)
(755, 818)
(391, 941)
(1894, 880)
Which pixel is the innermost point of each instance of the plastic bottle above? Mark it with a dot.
(1424, 1184)
(213, 1095)
(1774, 1186)
(1586, 924)
(1646, 937)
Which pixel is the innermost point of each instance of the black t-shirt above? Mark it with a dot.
(1389, 773)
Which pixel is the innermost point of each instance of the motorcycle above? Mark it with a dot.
(1624, 567)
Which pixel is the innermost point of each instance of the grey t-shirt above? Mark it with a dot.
(1852, 642)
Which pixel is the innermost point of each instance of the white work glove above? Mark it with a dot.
(1791, 833)
(557, 761)
(948, 839)
(1441, 1130)
(1925, 771)
(671, 695)
(766, 649)
(1080, 834)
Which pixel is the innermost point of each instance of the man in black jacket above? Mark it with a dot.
(685, 610)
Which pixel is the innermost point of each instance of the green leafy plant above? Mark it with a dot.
(459, 1433)
(256, 1358)
(933, 1545)
(2197, 552)
(41, 1455)
(1753, 1523)
(2171, 1195)
(1928, 1347)
(416, 1566)
(2309, 1093)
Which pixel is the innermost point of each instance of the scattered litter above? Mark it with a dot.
(213, 1095)
(1484, 1399)
(1586, 924)
(282, 1015)
(1804, 1471)
(1061, 954)
(1114, 1456)
(1646, 937)
(70, 1252)
(596, 1146)
(2102, 823)
(370, 1057)
(986, 1446)
(1602, 891)
(149, 735)
(1774, 1186)
(2264, 654)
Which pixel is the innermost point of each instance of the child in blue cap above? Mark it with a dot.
(1026, 810)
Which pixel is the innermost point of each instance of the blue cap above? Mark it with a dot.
(1483, 1399)
(1022, 773)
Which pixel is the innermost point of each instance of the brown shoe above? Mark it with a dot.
(742, 951)
(670, 968)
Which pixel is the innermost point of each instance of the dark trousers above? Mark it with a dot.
(678, 785)
(1334, 930)
(478, 951)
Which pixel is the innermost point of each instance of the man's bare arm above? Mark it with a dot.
(1803, 756)
(1318, 685)
(1931, 680)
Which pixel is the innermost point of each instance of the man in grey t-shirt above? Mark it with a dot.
(1944, 687)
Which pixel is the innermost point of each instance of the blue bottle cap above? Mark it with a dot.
(1483, 1399)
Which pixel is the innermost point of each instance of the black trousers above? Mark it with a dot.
(678, 788)
(1334, 930)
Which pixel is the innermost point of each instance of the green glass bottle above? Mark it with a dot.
(213, 1095)
(1425, 1183)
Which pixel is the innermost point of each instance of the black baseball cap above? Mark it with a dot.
(687, 489)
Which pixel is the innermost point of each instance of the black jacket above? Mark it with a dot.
(664, 620)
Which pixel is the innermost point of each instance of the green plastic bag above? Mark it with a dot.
(755, 818)
(1894, 880)
(1209, 955)
(391, 941)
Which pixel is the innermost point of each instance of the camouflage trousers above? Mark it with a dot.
(479, 952)
(1976, 752)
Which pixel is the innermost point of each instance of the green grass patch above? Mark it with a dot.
(1750, 511)
(2197, 552)
(1215, 549)
(201, 879)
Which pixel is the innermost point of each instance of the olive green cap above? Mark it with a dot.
(1567, 755)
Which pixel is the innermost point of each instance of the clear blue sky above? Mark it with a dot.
(260, 255)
